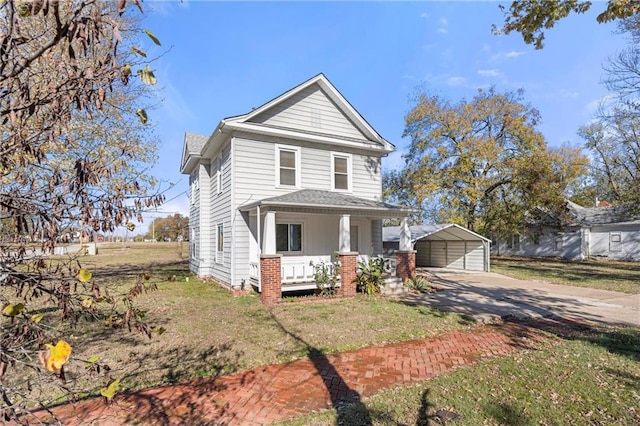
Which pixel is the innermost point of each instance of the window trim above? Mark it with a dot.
(298, 169)
(195, 187)
(289, 223)
(219, 242)
(219, 174)
(348, 157)
(615, 246)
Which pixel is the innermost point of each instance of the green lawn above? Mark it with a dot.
(586, 377)
(589, 376)
(209, 331)
(605, 275)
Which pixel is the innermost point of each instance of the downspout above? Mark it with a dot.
(259, 249)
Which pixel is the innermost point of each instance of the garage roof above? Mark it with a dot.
(441, 231)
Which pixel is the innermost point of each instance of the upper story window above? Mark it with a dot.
(193, 189)
(340, 172)
(288, 166)
(219, 174)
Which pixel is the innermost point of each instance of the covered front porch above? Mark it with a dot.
(291, 233)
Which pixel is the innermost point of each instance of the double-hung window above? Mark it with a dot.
(288, 166)
(340, 172)
(288, 237)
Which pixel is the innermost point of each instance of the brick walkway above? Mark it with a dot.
(277, 392)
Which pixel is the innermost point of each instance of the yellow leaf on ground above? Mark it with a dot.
(57, 356)
(84, 276)
(12, 309)
(110, 391)
(37, 318)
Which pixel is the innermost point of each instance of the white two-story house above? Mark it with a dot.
(295, 180)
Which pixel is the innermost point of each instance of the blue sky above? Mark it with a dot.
(225, 58)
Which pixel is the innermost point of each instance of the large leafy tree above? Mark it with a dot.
(613, 136)
(74, 151)
(532, 18)
(614, 142)
(169, 228)
(483, 162)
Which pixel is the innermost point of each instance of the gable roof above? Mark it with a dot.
(358, 133)
(192, 149)
(440, 231)
(601, 215)
(329, 90)
(318, 199)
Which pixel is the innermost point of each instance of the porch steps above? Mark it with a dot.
(393, 287)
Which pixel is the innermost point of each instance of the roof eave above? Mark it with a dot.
(265, 203)
(368, 145)
(190, 163)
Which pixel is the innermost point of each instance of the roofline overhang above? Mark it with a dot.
(190, 163)
(371, 146)
(394, 212)
(335, 96)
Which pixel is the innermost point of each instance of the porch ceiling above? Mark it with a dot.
(326, 202)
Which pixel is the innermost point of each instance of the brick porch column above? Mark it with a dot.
(270, 278)
(348, 262)
(405, 264)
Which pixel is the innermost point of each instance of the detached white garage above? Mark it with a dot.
(443, 246)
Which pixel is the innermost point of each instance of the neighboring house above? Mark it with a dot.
(294, 181)
(444, 245)
(590, 232)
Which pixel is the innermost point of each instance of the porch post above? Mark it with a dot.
(270, 278)
(405, 264)
(269, 238)
(348, 264)
(344, 245)
(405, 256)
(270, 263)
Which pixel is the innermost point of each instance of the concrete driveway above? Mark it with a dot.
(489, 297)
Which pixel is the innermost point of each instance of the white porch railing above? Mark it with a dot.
(298, 269)
(253, 271)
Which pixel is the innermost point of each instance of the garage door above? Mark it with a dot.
(475, 256)
(439, 254)
(423, 253)
(467, 255)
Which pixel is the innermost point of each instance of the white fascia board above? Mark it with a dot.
(192, 161)
(291, 134)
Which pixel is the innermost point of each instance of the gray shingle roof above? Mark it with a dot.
(326, 199)
(452, 231)
(601, 215)
(195, 142)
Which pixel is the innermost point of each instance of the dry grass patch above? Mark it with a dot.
(211, 332)
(606, 275)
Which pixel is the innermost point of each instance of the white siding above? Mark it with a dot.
(256, 170)
(627, 249)
(205, 225)
(220, 213)
(194, 223)
(549, 243)
(310, 110)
